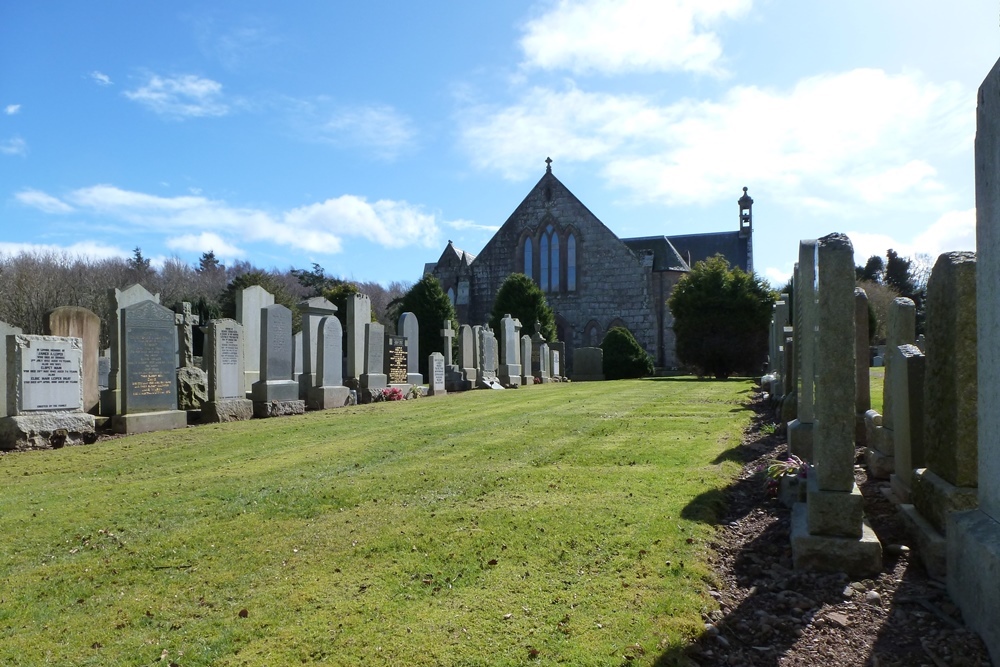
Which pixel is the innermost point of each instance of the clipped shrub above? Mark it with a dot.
(623, 356)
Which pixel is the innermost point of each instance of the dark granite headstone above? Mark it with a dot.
(396, 359)
(149, 377)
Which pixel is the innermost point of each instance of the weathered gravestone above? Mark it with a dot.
(555, 369)
(488, 360)
(477, 353)
(276, 394)
(77, 322)
(800, 429)
(880, 454)
(949, 480)
(249, 301)
(103, 371)
(44, 394)
(374, 376)
(862, 377)
(466, 355)
(147, 341)
(312, 310)
(588, 364)
(974, 536)
(297, 356)
(510, 363)
(453, 377)
(192, 382)
(905, 374)
(224, 355)
(5, 330)
(396, 359)
(329, 391)
(435, 369)
(559, 348)
(539, 356)
(527, 379)
(829, 531)
(408, 327)
(118, 300)
(359, 314)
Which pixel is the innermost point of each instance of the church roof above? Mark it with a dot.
(665, 256)
(696, 247)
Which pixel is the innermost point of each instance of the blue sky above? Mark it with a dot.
(364, 136)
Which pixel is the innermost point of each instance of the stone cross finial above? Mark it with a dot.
(447, 333)
(184, 321)
(548, 165)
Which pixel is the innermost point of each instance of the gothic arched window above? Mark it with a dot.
(571, 263)
(451, 295)
(527, 256)
(554, 282)
(543, 257)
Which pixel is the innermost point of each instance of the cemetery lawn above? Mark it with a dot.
(556, 524)
(877, 378)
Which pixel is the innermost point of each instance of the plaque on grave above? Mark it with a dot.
(396, 358)
(149, 377)
(50, 373)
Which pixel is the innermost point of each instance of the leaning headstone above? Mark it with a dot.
(396, 359)
(118, 300)
(527, 379)
(800, 430)
(510, 366)
(312, 311)
(588, 364)
(224, 355)
(974, 536)
(249, 301)
(192, 382)
(5, 330)
(359, 314)
(435, 369)
(862, 378)
(408, 326)
(330, 391)
(949, 480)
(466, 354)
(374, 376)
(149, 377)
(276, 394)
(44, 394)
(828, 530)
(77, 322)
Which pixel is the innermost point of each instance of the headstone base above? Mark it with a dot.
(431, 391)
(265, 409)
(373, 380)
(324, 398)
(275, 390)
(147, 422)
(934, 497)
(973, 571)
(46, 431)
(229, 410)
(588, 378)
(928, 542)
(800, 439)
(834, 513)
(111, 402)
(857, 557)
(192, 388)
(414, 378)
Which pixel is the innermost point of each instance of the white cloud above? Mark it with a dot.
(100, 78)
(319, 228)
(376, 127)
(185, 96)
(777, 277)
(612, 36)
(43, 202)
(84, 249)
(205, 242)
(12, 109)
(862, 136)
(468, 224)
(14, 146)
(955, 230)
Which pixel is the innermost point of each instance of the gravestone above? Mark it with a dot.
(276, 394)
(556, 366)
(559, 347)
(880, 455)
(374, 376)
(330, 391)
(467, 354)
(905, 374)
(192, 382)
(103, 371)
(510, 364)
(454, 380)
(862, 376)
(527, 379)
(447, 335)
(396, 359)
(800, 430)
(828, 531)
(359, 314)
(539, 361)
(118, 300)
(5, 330)
(147, 341)
(249, 301)
(544, 362)
(776, 362)
(312, 311)
(588, 364)
(297, 356)
(408, 327)
(224, 355)
(487, 360)
(77, 322)
(974, 535)
(44, 394)
(435, 369)
(949, 480)
(477, 353)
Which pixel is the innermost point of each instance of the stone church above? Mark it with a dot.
(592, 279)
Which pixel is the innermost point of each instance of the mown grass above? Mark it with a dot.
(877, 379)
(559, 524)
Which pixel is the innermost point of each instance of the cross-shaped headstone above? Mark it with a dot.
(184, 321)
(447, 333)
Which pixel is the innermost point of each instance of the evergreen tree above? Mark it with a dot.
(520, 297)
(209, 263)
(337, 295)
(432, 307)
(623, 356)
(721, 318)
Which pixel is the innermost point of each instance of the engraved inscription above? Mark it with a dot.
(50, 378)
